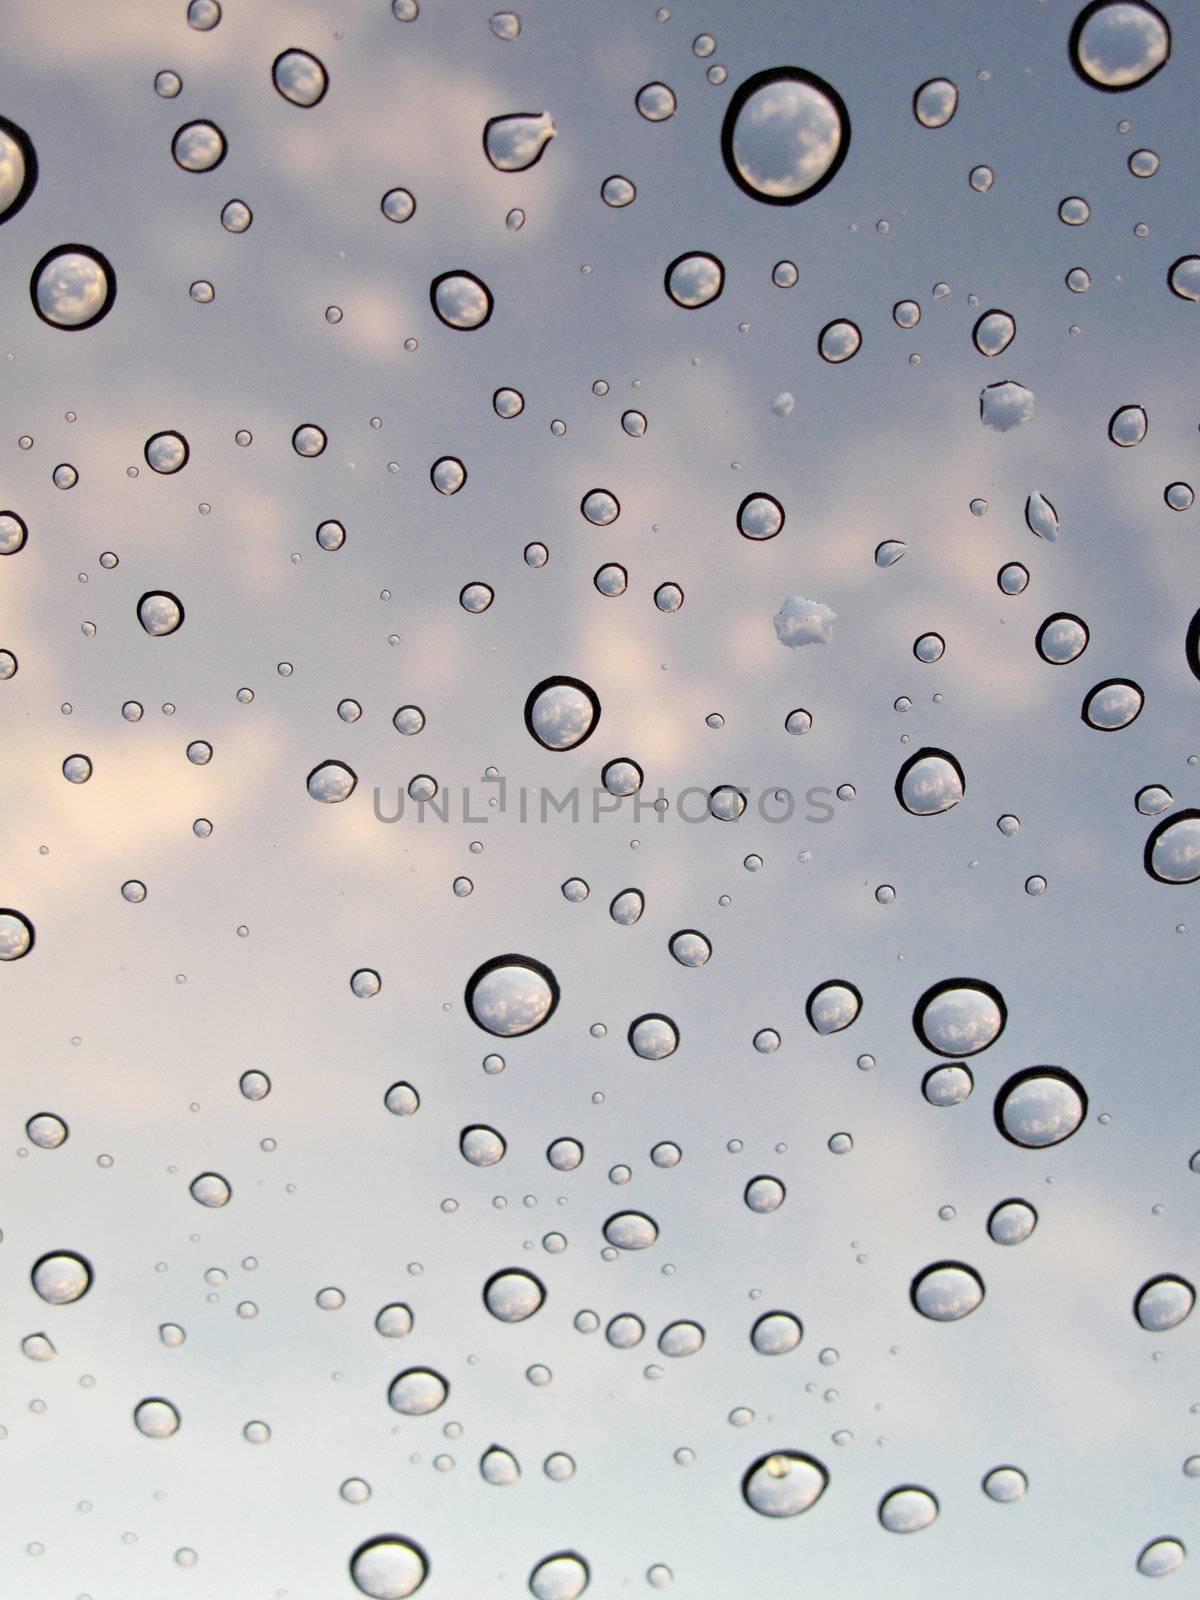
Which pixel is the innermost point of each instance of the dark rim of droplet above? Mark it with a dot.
(20, 521)
(1112, 683)
(760, 538)
(1156, 833)
(556, 682)
(539, 967)
(1171, 270)
(461, 272)
(652, 1016)
(200, 122)
(156, 594)
(1013, 1200)
(937, 1266)
(512, 116)
(943, 1067)
(64, 1255)
(310, 456)
(743, 92)
(979, 984)
(110, 278)
(391, 1538)
(1192, 645)
(1061, 616)
(829, 983)
(21, 138)
(514, 1272)
(694, 255)
(1060, 1075)
(788, 1455)
(7, 911)
(168, 433)
(295, 50)
(619, 761)
(1152, 1283)
(926, 754)
(1081, 21)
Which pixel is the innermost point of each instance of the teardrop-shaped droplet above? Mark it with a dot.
(499, 1466)
(784, 136)
(517, 141)
(1041, 517)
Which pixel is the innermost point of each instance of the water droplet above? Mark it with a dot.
(1179, 496)
(1163, 1303)
(690, 948)
(681, 1339)
(935, 103)
(515, 142)
(833, 1006)
(300, 77)
(784, 1484)
(618, 192)
(1113, 704)
(402, 1100)
(160, 613)
(157, 1419)
(1005, 405)
(631, 1230)
(199, 146)
(461, 300)
(838, 341)
(398, 205)
(1005, 1484)
(1012, 1222)
(930, 782)
(907, 1509)
(1172, 852)
(331, 782)
(948, 1085)
(210, 1189)
(656, 102)
(559, 1577)
(1161, 1556)
(1128, 426)
(389, 1567)
(994, 332)
(73, 286)
(785, 134)
(981, 180)
(764, 1194)
(959, 1017)
(394, 1321)
(946, 1292)
(417, 1391)
(625, 1331)
(254, 1085)
(1117, 44)
(564, 1155)
(800, 621)
(775, 1333)
(561, 713)
(365, 984)
(694, 280)
(511, 995)
(498, 1466)
(512, 1295)
(1184, 278)
(1041, 1106)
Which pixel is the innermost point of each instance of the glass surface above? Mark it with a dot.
(560, 927)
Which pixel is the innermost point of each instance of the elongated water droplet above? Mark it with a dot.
(517, 141)
(1112, 705)
(1160, 1557)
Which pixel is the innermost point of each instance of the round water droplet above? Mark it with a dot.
(1112, 705)
(77, 769)
(210, 1189)
(1062, 638)
(388, 1567)
(622, 777)
(760, 516)
(559, 1577)
(417, 1391)
(763, 1194)
(398, 205)
(690, 948)
(1117, 44)
(1160, 1557)
(332, 782)
(499, 1466)
(72, 287)
(1164, 1303)
(694, 280)
(959, 1017)
(365, 984)
(1005, 1484)
(476, 598)
(625, 1331)
(157, 1419)
(18, 167)
(798, 721)
(167, 452)
(908, 1509)
(299, 77)
(656, 102)
(564, 1155)
(1179, 496)
(994, 332)
(653, 1037)
(460, 300)
(160, 613)
(948, 1085)
(618, 192)
(448, 475)
(1172, 852)
(394, 1321)
(511, 995)
(930, 782)
(1128, 426)
(784, 1484)
(784, 136)
(631, 1230)
(839, 340)
(1041, 1106)
(515, 142)
(935, 103)
(833, 1006)
(1184, 278)
(513, 1295)
(254, 1085)
(1012, 1222)
(775, 1333)
(508, 403)
(681, 1339)
(199, 147)
(947, 1291)
(561, 713)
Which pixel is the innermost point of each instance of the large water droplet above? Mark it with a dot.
(784, 1484)
(1062, 638)
(18, 168)
(775, 1333)
(1172, 852)
(653, 1037)
(1113, 704)
(1012, 1222)
(959, 1017)
(631, 1230)
(800, 621)
(16, 935)
(417, 1391)
(388, 1567)
(461, 300)
(1005, 1484)
(760, 516)
(1128, 426)
(690, 948)
(1164, 1303)
(61, 1277)
(764, 1194)
(694, 279)
(73, 286)
(211, 1189)
(627, 907)
(1117, 44)
(833, 1006)
(948, 1085)
(331, 782)
(1040, 1107)
(994, 332)
(839, 340)
(681, 1339)
(947, 1291)
(908, 1509)
(1041, 517)
(160, 613)
(559, 1577)
(199, 147)
(167, 452)
(1184, 278)
(935, 102)
(513, 1295)
(517, 141)
(299, 77)
(511, 995)
(784, 136)
(156, 1418)
(1160, 1557)
(499, 1466)
(561, 713)
(930, 782)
